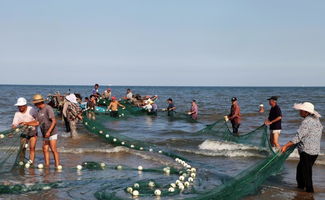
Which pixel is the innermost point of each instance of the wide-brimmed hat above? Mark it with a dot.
(21, 102)
(37, 98)
(72, 98)
(308, 107)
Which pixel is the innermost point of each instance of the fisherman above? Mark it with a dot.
(95, 89)
(308, 140)
(92, 102)
(64, 115)
(234, 115)
(194, 110)
(129, 94)
(72, 112)
(171, 107)
(91, 106)
(274, 121)
(113, 107)
(261, 108)
(107, 94)
(24, 115)
(45, 119)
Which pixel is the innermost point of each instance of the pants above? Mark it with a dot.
(114, 114)
(170, 113)
(67, 126)
(304, 171)
(235, 127)
(73, 128)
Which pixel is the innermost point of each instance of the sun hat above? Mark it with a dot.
(37, 98)
(21, 102)
(72, 98)
(308, 107)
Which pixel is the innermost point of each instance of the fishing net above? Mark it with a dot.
(257, 138)
(246, 182)
(177, 180)
(12, 148)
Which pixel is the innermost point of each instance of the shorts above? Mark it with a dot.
(276, 132)
(53, 137)
(114, 114)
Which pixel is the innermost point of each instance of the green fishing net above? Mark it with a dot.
(257, 138)
(12, 148)
(176, 180)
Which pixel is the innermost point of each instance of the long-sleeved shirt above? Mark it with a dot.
(234, 115)
(309, 135)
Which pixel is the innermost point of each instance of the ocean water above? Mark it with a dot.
(219, 159)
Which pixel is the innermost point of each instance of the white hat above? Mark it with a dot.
(21, 102)
(72, 98)
(308, 107)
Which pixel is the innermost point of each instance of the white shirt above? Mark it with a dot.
(129, 95)
(28, 116)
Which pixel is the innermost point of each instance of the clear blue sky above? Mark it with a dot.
(167, 42)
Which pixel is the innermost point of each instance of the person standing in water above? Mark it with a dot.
(45, 119)
(113, 107)
(274, 121)
(72, 112)
(24, 115)
(129, 95)
(308, 140)
(170, 108)
(194, 110)
(234, 115)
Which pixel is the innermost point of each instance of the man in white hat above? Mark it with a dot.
(308, 140)
(72, 112)
(24, 115)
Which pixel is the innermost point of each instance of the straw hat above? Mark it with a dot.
(37, 98)
(308, 107)
(72, 98)
(21, 102)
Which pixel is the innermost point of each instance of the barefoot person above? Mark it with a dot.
(274, 121)
(46, 121)
(24, 115)
(308, 140)
(113, 106)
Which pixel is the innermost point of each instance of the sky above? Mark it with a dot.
(165, 43)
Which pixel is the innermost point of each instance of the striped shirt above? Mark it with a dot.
(309, 135)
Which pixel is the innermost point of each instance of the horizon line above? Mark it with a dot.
(111, 85)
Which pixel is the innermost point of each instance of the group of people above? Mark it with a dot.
(307, 139)
(43, 119)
